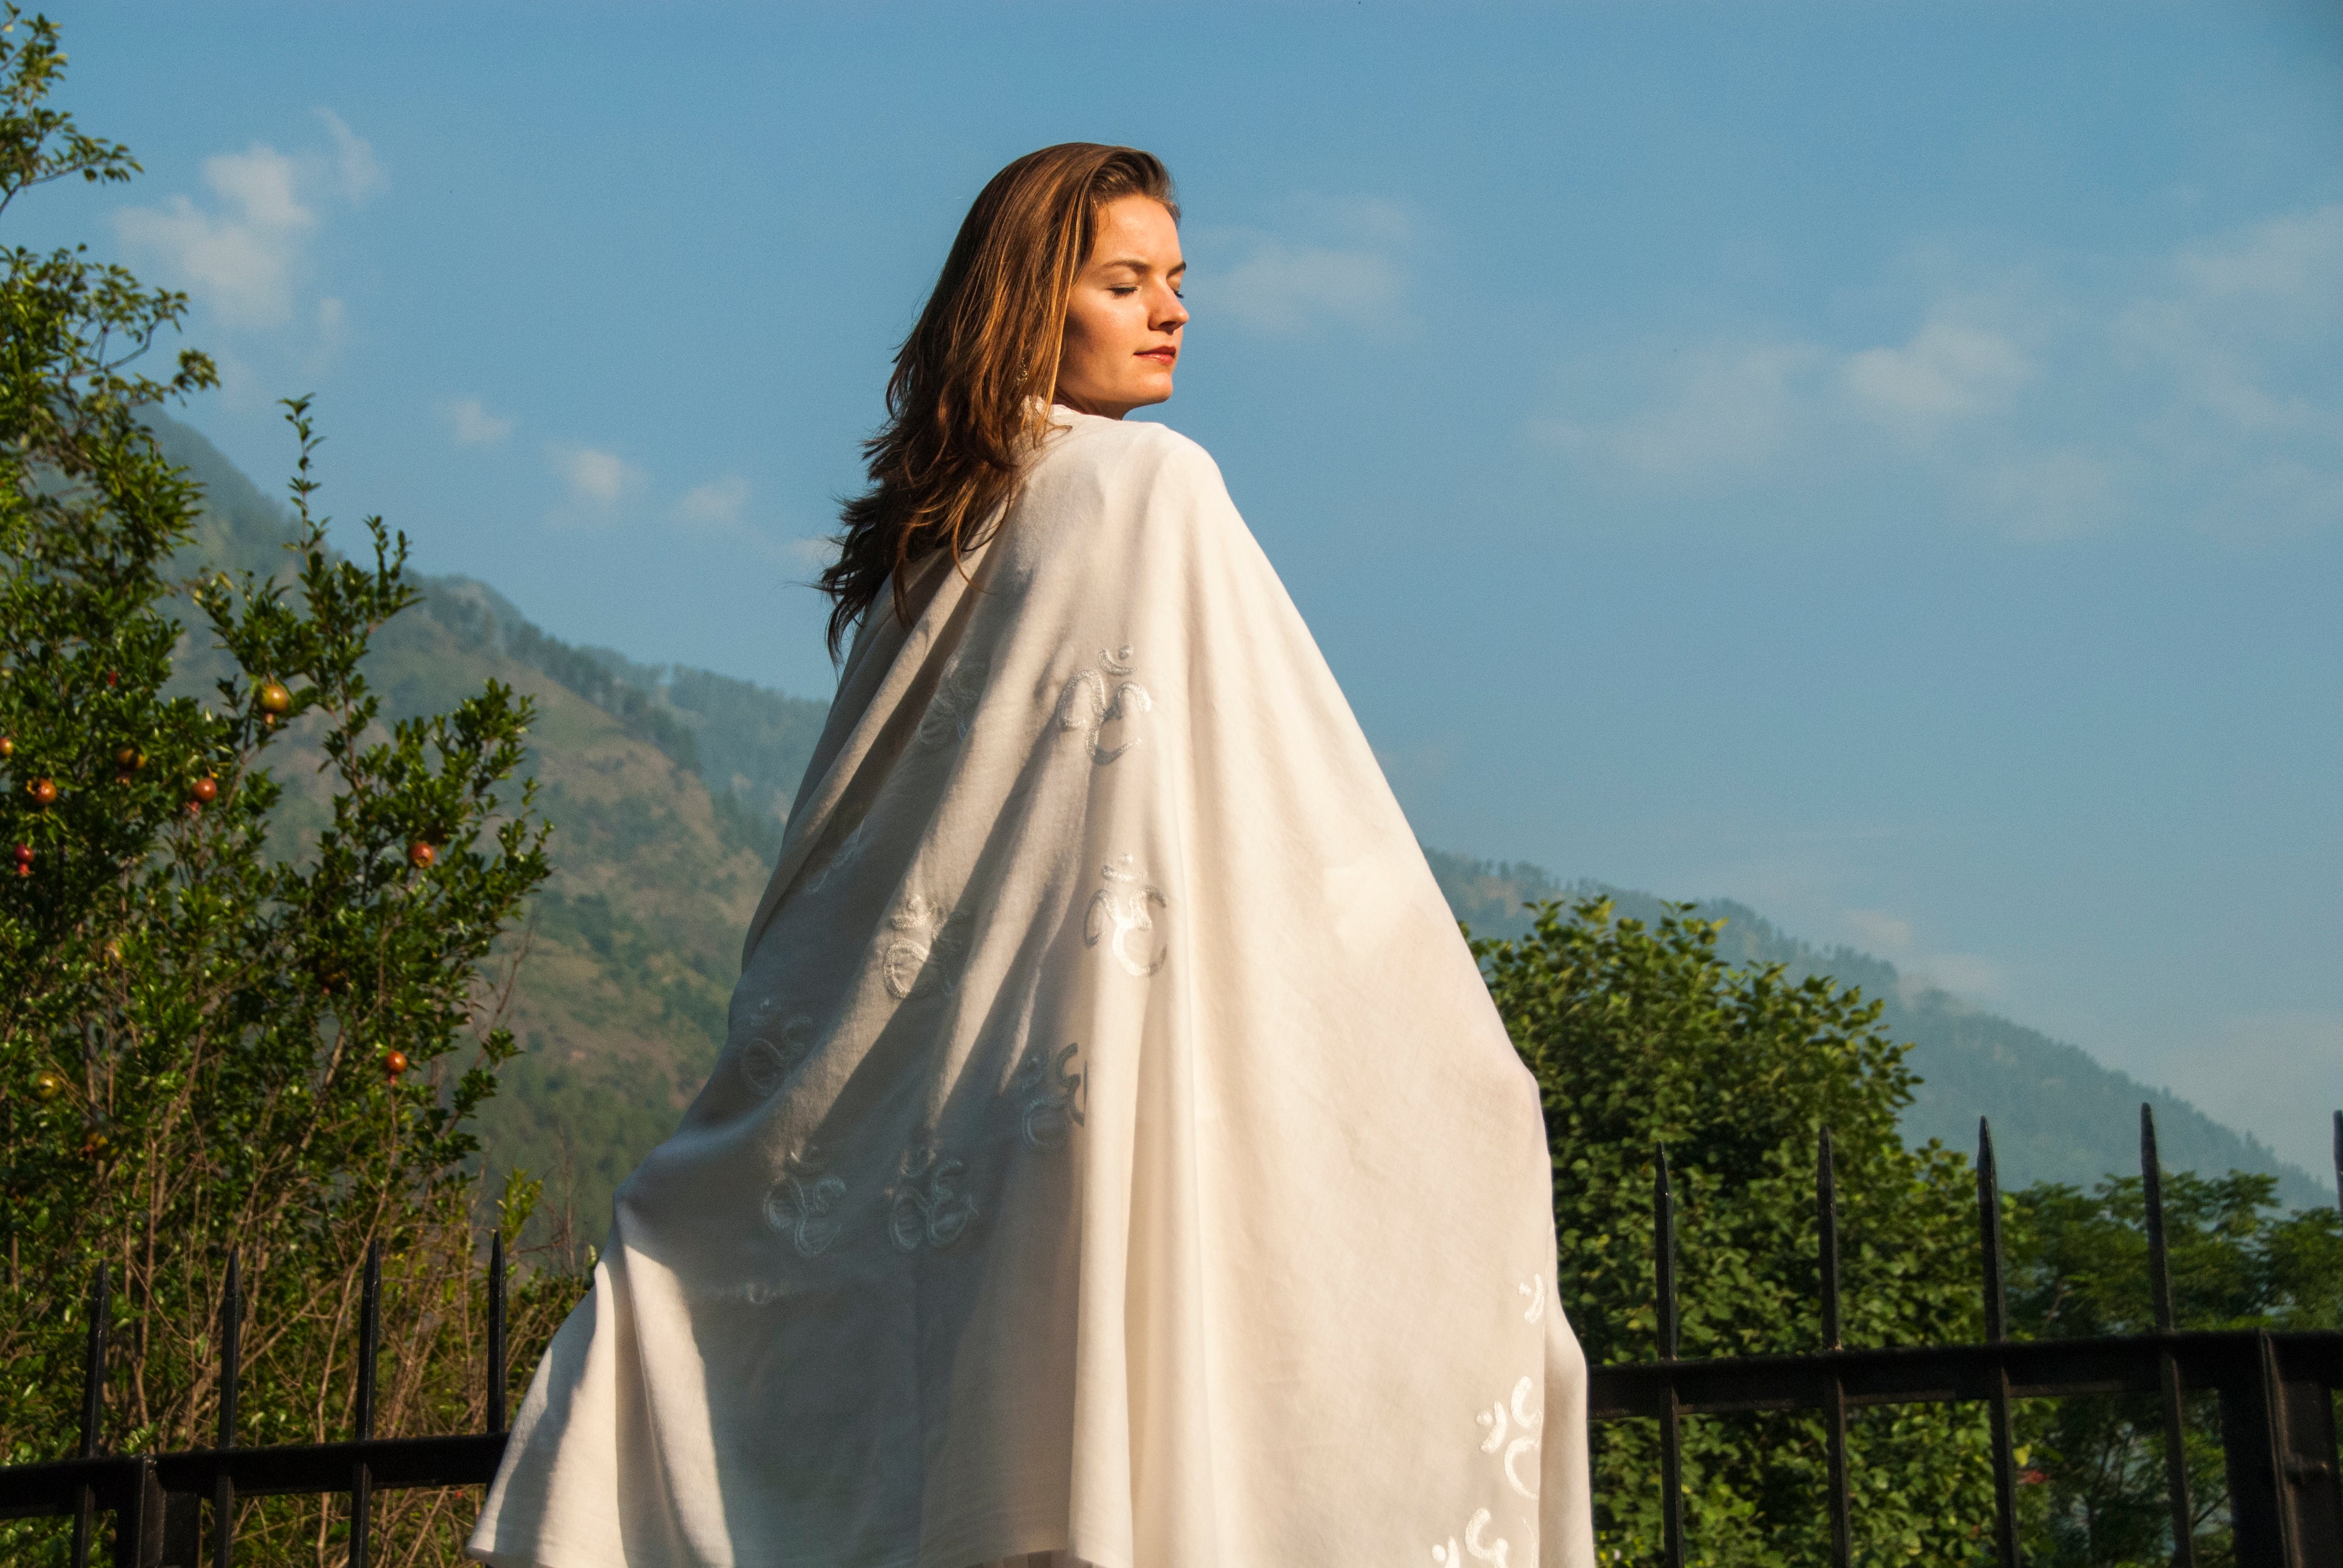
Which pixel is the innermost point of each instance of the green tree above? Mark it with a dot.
(1641, 1037)
(2078, 1267)
(207, 1040)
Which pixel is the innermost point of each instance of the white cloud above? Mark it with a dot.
(360, 172)
(1723, 406)
(241, 261)
(1880, 931)
(720, 503)
(1284, 288)
(1967, 975)
(1339, 263)
(719, 509)
(246, 253)
(2292, 261)
(813, 554)
(471, 424)
(2193, 388)
(1948, 371)
(596, 480)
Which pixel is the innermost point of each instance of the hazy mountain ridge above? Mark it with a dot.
(666, 787)
(2058, 1114)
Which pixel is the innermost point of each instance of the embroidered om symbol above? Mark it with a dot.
(1049, 1115)
(1526, 1421)
(1486, 1550)
(801, 1202)
(775, 1049)
(1090, 703)
(923, 956)
(953, 708)
(928, 1207)
(1119, 912)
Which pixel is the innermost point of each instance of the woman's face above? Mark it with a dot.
(1123, 324)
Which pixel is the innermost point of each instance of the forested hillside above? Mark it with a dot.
(634, 944)
(666, 788)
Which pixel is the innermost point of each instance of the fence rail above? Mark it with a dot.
(2276, 1393)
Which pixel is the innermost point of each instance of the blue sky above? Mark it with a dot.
(1880, 462)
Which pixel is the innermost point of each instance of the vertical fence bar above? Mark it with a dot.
(92, 1409)
(1834, 1390)
(497, 1332)
(138, 1518)
(2338, 1159)
(1663, 1282)
(1996, 1332)
(2167, 1369)
(231, 1376)
(369, 1346)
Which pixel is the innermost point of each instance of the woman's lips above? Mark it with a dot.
(1161, 355)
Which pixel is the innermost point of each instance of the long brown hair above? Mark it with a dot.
(967, 402)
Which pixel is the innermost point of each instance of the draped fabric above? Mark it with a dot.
(1115, 1154)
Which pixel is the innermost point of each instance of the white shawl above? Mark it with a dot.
(1115, 1153)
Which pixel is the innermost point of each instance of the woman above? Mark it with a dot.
(1115, 1158)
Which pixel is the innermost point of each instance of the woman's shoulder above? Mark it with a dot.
(1088, 448)
(1105, 493)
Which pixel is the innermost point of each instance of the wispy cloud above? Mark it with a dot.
(470, 424)
(721, 508)
(358, 172)
(811, 553)
(718, 504)
(245, 252)
(1725, 408)
(1970, 975)
(238, 259)
(1336, 263)
(594, 482)
(2195, 389)
(1948, 371)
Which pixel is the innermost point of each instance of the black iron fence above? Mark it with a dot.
(2276, 1393)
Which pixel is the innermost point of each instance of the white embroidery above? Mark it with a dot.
(1097, 698)
(799, 1204)
(952, 708)
(1524, 1422)
(1049, 1115)
(1535, 1292)
(1527, 1421)
(1447, 1557)
(928, 1207)
(923, 956)
(775, 1049)
(850, 850)
(1493, 1418)
(1119, 910)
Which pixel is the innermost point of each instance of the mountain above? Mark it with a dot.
(2058, 1114)
(666, 788)
(634, 944)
